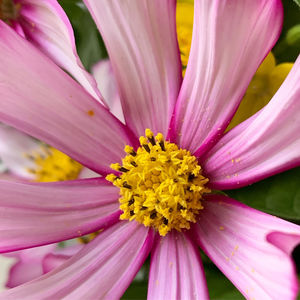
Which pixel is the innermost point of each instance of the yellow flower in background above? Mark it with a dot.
(184, 21)
(265, 82)
(53, 165)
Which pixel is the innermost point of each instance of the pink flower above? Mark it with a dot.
(230, 39)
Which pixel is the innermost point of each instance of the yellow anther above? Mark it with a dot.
(111, 177)
(150, 136)
(130, 150)
(161, 186)
(159, 137)
(115, 167)
(143, 140)
(148, 133)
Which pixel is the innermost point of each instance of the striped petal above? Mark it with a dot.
(140, 37)
(107, 85)
(43, 213)
(230, 40)
(46, 25)
(251, 248)
(59, 256)
(28, 266)
(262, 146)
(101, 270)
(176, 270)
(40, 99)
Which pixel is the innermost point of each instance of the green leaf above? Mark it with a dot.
(136, 291)
(283, 50)
(297, 2)
(278, 195)
(293, 35)
(219, 287)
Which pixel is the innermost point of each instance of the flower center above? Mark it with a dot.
(53, 165)
(9, 10)
(160, 184)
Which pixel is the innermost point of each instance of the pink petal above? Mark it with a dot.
(10, 177)
(17, 27)
(140, 37)
(6, 264)
(29, 265)
(241, 242)
(103, 269)
(176, 270)
(14, 145)
(59, 256)
(37, 214)
(230, 40)
(41, 100)
(46, 25)
(107, 85)
(34, 262)
(266, 144)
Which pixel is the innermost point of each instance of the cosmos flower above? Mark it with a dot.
(166, 185)
(27, 159)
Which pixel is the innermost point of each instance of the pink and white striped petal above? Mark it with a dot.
(246, 246)
(28, 266)
(140, 37)
(230, 40)
(176, 270)
(46, 25)
(14, 146)
(59, 256)
(103, 269)
(262, 146)
(107, 85)
(35, 214)
(43, 101)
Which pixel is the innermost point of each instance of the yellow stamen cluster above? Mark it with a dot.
(9, 10)
(53, 165)
(160, 185)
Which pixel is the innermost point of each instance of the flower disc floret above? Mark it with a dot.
(160, 184)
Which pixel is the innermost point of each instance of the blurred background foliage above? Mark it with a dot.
(278, 195)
